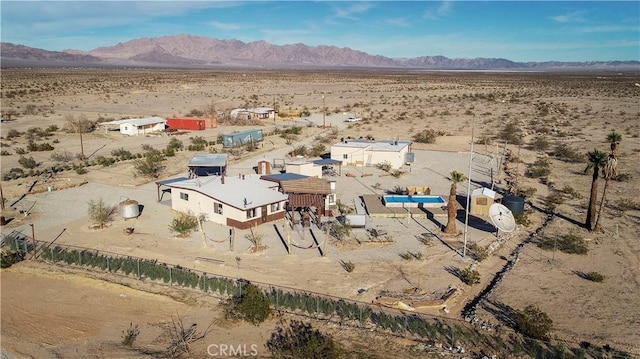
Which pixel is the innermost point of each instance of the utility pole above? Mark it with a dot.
(324, 121)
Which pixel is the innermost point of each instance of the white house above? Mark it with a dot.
(138, 126)
(240, 202)
(354, 152)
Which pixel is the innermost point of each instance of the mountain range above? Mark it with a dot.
(187, 51)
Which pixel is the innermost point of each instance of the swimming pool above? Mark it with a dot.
(397, 200)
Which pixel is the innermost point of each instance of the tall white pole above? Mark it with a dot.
(466, 220)
(324, 120)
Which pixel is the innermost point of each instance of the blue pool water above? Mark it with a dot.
(420, 199)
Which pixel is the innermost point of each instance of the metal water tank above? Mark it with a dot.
(129, 209)
(514, 203)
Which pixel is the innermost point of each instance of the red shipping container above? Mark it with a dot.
(186, 123)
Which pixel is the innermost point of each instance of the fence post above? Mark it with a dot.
(108, 266)
(138, 262)
(80, 258)
(170, 278)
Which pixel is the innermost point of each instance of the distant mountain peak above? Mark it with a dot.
(185, 50)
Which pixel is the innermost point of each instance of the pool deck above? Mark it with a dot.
(376, 208)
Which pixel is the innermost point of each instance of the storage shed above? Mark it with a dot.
(481, 199)
(242, 138)
(306, 168)
(208, 164)
(186, 123)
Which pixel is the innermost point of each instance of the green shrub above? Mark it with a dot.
(470, 276)
(175, 143)
(567, 243)
(184, 224)
(250, 304)
(100, 213)
(533, 322)
(151, 165)
(567, 154)
(121, 153)
(540, 143)
(479, 253)
(300, 340)
(593, 276)
(8, 258)
(28, 163)
(425, 136)
(540, 168)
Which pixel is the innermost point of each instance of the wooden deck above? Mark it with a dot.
(376, 208)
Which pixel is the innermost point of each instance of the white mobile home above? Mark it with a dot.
(370, 153)
(239, 202)
(137, 126)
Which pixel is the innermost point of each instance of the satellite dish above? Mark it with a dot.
(502, 217)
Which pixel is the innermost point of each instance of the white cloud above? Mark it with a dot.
(573, 17)
(403, 22)
(445, 8)
(607, 29)
(225, 26)
(353, 10)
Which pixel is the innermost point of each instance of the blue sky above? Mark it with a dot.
(518, 31)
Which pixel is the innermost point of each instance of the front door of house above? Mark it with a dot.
(264, 214)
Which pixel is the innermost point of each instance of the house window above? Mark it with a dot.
(217, 208)
(251, 213)
(331, 199)
(481, 201)
(345, 156)
(126, 128)
(275, 207)
(184, 196)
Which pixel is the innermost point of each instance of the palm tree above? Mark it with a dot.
(614, 139)
(596, 160)
(609, 171)
(452, 206)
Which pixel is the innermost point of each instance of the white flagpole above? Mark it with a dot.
(466, 220)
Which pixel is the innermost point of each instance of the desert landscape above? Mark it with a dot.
(531, 132)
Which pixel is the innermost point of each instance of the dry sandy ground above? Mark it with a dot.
(395, 106)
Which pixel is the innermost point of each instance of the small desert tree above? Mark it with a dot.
(596, 160)
(151, 164)
(184, 224)
(256, 238)
(100, 213)
(452, 206)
